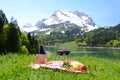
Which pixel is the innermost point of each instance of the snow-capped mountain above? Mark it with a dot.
(78, 18)
(66, 18)
(29, 27)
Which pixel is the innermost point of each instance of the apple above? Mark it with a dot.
(83, 68)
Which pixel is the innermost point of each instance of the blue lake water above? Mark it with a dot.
(99, 52)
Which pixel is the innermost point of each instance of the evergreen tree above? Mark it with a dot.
(33, 44)
(3, 38)
(13, 40)
(1, 24)
(14, 22)
(3, 20)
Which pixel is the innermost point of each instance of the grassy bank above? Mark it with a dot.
(15, 67)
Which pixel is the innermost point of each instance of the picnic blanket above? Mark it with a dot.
(68, 66)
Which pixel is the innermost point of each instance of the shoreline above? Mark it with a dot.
(91, 47)
(102, 47)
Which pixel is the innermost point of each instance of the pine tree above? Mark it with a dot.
(13, 40)
(3, 19)
(33, 44)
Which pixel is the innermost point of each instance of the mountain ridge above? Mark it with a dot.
(66, 18)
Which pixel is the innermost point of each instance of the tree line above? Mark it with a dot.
(101, 37)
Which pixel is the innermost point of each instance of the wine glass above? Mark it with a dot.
(63, 52)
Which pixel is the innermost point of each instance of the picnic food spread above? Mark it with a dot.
(69, 66)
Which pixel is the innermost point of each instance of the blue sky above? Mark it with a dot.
(103, 12)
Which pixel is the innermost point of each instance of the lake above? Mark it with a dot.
(98, 52)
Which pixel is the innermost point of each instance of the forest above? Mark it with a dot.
(101, 37)
(12, 39)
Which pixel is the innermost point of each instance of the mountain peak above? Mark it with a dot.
(67, 18)
(79, 13)
(58, 11)
(78, 18)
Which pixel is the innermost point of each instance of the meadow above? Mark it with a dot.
(16, 67)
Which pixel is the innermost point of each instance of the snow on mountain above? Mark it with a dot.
(29, 28)
(76, 17)
(63, 19)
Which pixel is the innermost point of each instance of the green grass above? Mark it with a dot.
(15, 67)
